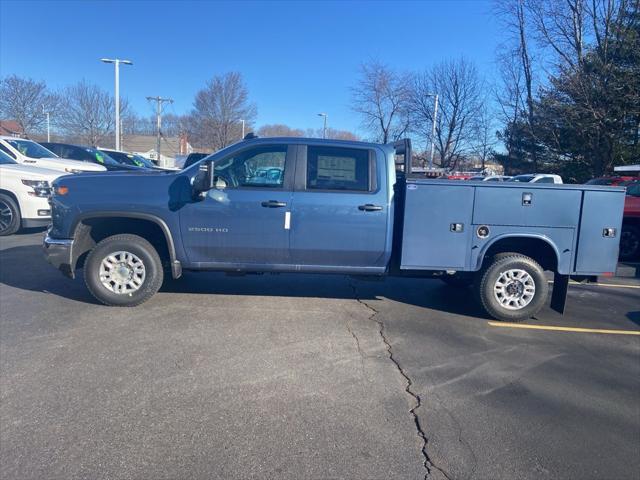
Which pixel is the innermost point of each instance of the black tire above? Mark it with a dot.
(629, 242)
(9, 215)
(488, 278)
(457, 280)
(131, 244)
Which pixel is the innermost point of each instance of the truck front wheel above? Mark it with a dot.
(512, 287)
(123, 270)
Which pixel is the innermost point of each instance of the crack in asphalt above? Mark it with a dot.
(427, 463)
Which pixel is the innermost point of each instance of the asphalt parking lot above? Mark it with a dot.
(310, 377)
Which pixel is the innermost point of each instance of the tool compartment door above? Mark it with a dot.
(598, 251)
(437, 226)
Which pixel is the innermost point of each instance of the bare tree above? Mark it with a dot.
(381, 98)
(87, 113)
(459, 91)
(515, 18)
(484, 134)
(561, 26)
(279, 130)
(510, 96)
(218, 111)
(23, 100)
(332, 133)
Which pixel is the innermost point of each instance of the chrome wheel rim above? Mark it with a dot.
(514, 289)
(122, 272)
(6, 216)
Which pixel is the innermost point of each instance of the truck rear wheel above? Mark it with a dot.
(512, 287)
(123, 270)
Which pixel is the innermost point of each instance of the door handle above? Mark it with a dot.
(370, 208)
(273, 204)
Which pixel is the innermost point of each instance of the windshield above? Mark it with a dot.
(140, 161)
(30, 149)
(6, 159)
(129, 159)
(101, 157)
(521, 178)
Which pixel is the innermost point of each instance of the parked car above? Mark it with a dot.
(630, 236)
(29, 152)
(131, 159)
(536, 178)
(613, 181)
(24, 195)
(330, 206)
(193, 158)
(490, 178)
(86, 154)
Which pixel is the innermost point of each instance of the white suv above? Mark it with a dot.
(536, 178)
(24, 195)
(29, 152)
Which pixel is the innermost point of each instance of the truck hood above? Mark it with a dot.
(63, 164)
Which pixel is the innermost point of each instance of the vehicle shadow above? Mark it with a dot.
(23, 267)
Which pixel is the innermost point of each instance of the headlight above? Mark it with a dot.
(72, 170)
(41, 188)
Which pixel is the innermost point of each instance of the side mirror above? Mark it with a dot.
(204, 180)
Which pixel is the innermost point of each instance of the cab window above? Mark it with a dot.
(337, 168)
(261, 167)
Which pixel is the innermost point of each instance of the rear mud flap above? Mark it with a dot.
(559, 295)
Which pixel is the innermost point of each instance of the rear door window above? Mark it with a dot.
(337, 168)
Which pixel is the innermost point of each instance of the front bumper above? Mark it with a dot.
(58, 252)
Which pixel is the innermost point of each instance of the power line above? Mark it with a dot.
(159, 103)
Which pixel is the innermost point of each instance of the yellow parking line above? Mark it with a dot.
(564, 329)
(614, 285)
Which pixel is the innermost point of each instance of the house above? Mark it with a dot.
(11, 128)
(146, 145)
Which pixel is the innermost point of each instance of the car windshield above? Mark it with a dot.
(129, 159)
(521, 178)
(140, 161)
(101, 157)
(6, 159)
(30, 149)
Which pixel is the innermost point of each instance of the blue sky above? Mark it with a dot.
(297, 58)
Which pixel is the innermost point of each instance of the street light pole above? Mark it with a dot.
(117, 62)
(48, 124)
(324, 127)
(433, 127)
(242, 127)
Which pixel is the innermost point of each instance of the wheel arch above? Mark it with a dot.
(538, 247)
(90, 228)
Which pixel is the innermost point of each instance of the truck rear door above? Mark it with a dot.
(340, 212)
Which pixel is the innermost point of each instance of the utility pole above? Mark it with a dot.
(48, 123)
(433, 128)
(159, 101)
(117, 62)
(324, 127)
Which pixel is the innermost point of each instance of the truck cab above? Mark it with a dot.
(329, 206)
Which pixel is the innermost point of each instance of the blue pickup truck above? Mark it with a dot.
(326, 206)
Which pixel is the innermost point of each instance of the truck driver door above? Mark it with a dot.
(242, 220)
